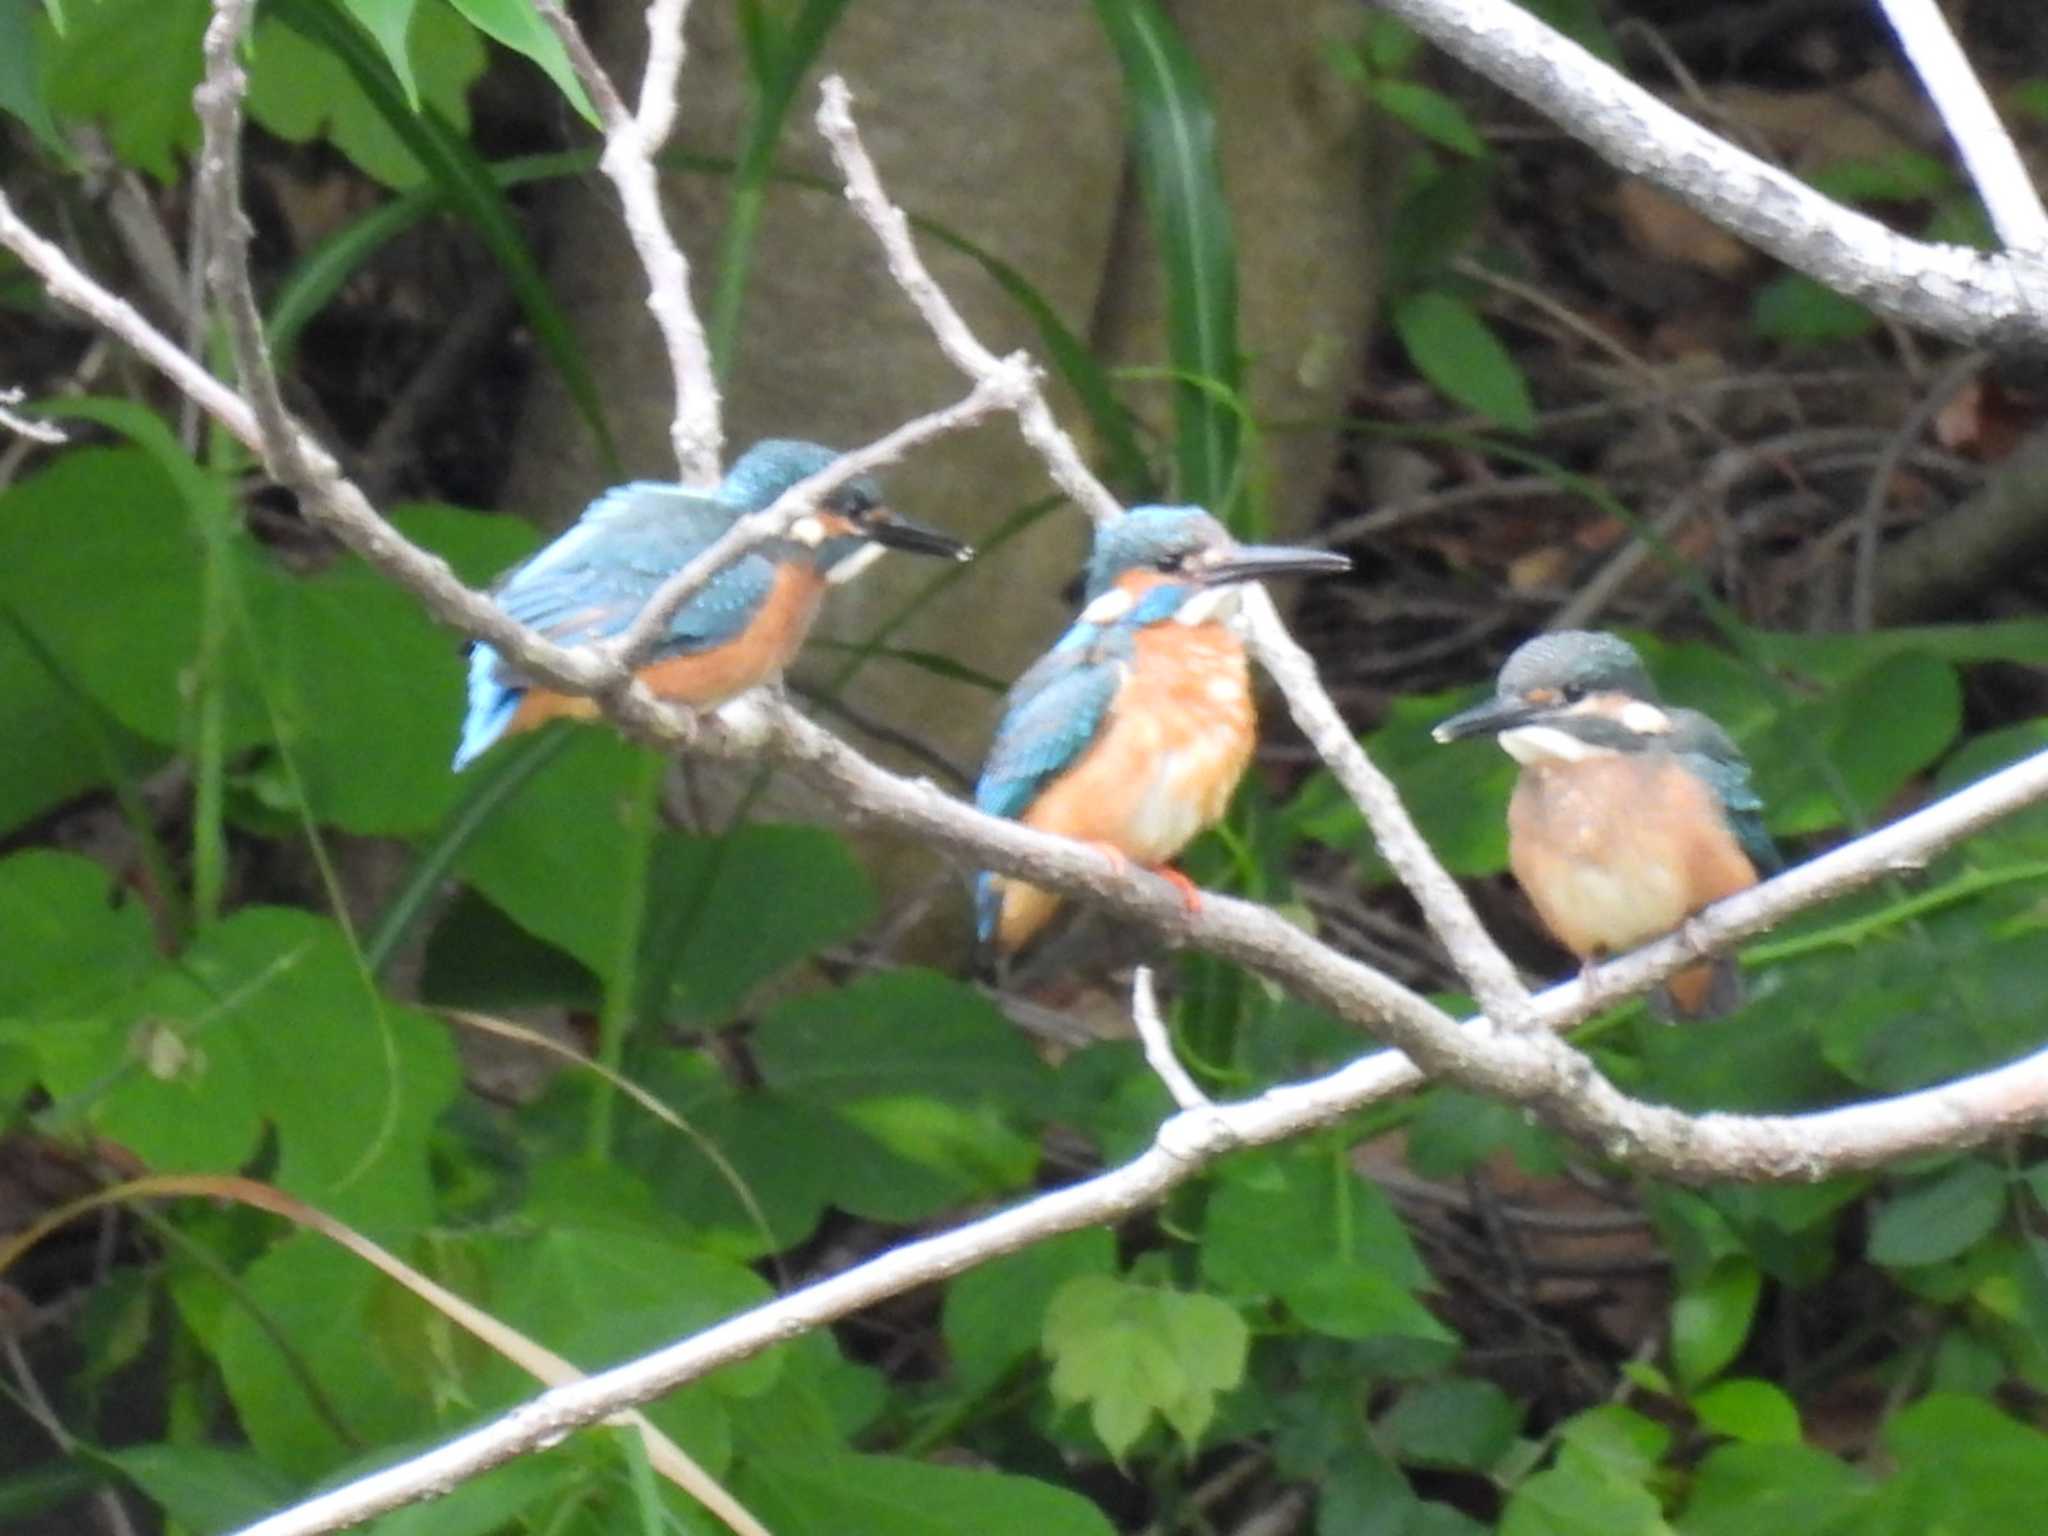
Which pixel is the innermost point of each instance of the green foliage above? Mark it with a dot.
(1136, 1352)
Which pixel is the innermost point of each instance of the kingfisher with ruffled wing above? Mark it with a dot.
(1628, 816)
(738, 630)
(1133, 731)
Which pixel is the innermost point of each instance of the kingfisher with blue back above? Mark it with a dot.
(1628, 816)
(1133, 731)
(738, 630)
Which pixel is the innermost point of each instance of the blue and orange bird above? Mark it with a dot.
(1628, 816)
(738, 630)
(1133, 731)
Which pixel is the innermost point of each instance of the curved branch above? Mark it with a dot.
(1996, 300)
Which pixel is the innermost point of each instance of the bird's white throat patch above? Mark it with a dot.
(1109, 607)
(1211, 605)
(1548, 744)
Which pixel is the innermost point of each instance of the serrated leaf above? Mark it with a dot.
(131, 66)
(1933, 1221)
(1456, 350)
(1132, 1351)
(994, 1315)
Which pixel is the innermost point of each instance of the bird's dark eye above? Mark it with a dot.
(1171, 563)
(1573, 692)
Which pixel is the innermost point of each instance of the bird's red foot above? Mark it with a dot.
(1190, 893)
(1119, 861)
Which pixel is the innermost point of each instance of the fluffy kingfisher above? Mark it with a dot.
(1628, 816)
(1133, 731)
(738, 630)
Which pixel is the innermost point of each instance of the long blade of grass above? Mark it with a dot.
(470, 189)
(1173, 139)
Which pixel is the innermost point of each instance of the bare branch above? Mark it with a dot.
(1157, 1040)
(1973, 297)
(864, 191)
(630, 145)
(1987, 149)
(27, 426)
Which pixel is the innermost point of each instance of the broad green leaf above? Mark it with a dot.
(899, 1032)
(300, 91)
(58, 736)
(1793, 307)
(390, 23)
(1132, 1351)
(708, 896)
(994, 1315)
(1964, 1466)
(1352, 1303)
(131, 65)
(849, 1495)
(1711, 1317)
(1628, 1444)
(102, 567)
(1934, 1220)
(22, 91)
(487, 1503)
(71, 940)
(1578, 1501)
(204, 1488)
(371, 1349)
(1279, 1217)
(1741, 1490)
(1893, 720)
(1436, 218)
(1456, 1423)
(1173, 137)
(1750, 1410)
(1454, 1132)
(518, 26)
(1456, 350)
(1430, 113)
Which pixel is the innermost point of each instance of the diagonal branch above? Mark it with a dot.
(630, 144)
(1964, 294)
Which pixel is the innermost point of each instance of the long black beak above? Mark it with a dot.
(1489, 719)
(894, 531)
(1255, 562)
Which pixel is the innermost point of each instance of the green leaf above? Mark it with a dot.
(706, 901)
(1430, 113)
(1627, 1444)
(1350, 1303)
(1741, 1490)
(365, 1347)
(70, 941)
(849, 1495)
(518, 26)
(1938, 1218)
(1173, 136)
(390, 23)
(490, 1502)
(1456, 1423)
(1577, 1501)
(96, 565)
(1133, 1351)
(22, 91)
(994, 1315)
(131, 65)
(204, 1487)
(1750, 1410)
(900, 1032)
(300, 91)
(1903, 176)
(1793, 307)
(1456, 350)
(1964, 1466)
(1711, 1317)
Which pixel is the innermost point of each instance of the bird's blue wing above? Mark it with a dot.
(1707, 750)
(1054, 713)
(590, 583)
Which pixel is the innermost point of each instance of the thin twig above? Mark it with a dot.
(1157, 1040)
(630, 145)
(1965, 106)
(27, 426)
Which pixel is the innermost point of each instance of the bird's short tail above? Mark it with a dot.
(1704, 991)
(492, 704)
(1008, 913)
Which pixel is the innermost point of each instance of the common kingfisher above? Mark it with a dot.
(1132, 732)
(738, 630)
(1628, 816)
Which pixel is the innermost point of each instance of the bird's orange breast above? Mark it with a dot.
(703, 679)
(1618, 849)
